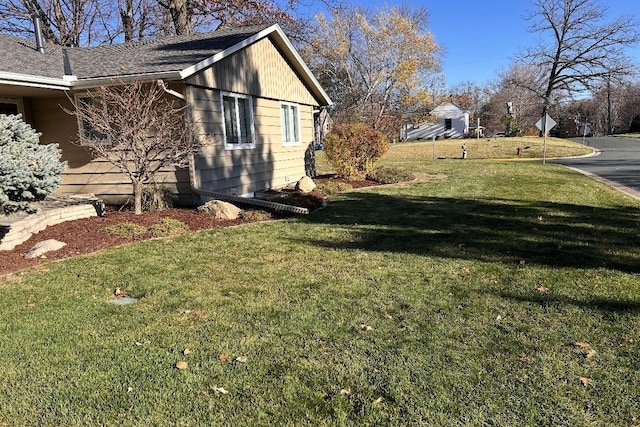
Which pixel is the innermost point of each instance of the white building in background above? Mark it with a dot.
(452, 122)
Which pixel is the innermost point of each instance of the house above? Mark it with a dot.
(251, 95)
(452, 122)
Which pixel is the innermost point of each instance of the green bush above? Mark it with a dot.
(333, 187)
(28, 171)
(168, 227)
(354, 149)
(386, 175)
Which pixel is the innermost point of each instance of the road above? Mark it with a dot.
(618, 162)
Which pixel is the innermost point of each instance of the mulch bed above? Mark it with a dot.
(85, 236)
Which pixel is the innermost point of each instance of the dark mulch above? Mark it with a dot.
(85, 236)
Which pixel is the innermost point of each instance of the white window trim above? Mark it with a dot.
(78, 99)
(242, 145)
(17, 101)
(298, 140)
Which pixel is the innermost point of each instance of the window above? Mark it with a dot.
(238, 121)
(447, 124)
(290, 124)
(10, 106)
(87, 129)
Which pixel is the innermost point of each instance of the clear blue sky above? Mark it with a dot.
(481, 37)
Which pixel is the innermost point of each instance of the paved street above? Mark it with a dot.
(618, 162)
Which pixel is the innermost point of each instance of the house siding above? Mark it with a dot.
(85, 174)
(241, 171)
(265, 73)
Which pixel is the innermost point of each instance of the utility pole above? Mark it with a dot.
(609, 104)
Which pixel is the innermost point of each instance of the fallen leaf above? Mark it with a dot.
(197, 313)
(182, 365)
(224, 358)
(522, 262)
(219, 390)
(186, 352)
(542, 289)
(378, 401)
(129, 389)
(465, 270)
(241, 359)
(586, 381)
(498, 318)
(626, 340)
(366, 327)
(524, 358)
(388, 316)
(590, 354)
(31, 305)
(582, 344)
(346, 391)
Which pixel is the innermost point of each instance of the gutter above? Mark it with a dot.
(278, 207)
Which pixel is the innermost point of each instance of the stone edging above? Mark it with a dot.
(15, 230)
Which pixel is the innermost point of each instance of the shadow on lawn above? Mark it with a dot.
(602, 304)
(495, 230)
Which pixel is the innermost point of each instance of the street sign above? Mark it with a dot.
(546, 127)
(545, 124)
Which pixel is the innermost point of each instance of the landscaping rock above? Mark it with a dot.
(220, 210)
(43, 247)
(305, 185)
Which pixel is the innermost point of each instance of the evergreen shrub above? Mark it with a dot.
(29, 171)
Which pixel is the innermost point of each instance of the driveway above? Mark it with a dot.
(618, 163)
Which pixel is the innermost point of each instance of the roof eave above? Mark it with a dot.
(27, 80)
(284, 43)
(90, 83)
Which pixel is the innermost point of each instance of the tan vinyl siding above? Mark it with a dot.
(242, 171)
(85, 174)
(258, 70)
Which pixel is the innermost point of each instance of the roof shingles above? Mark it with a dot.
(171, 54)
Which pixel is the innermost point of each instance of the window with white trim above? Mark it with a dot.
(86, 128)
(237, 111)
(290, 114)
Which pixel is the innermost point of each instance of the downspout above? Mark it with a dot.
(278, 207)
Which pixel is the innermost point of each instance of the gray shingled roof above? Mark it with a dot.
(171, 54)
(21, 57)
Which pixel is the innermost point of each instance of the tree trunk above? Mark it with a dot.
(179, 10)
(137, 197)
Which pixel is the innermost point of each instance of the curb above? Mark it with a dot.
(634, 194)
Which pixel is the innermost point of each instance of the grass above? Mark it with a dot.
(453, 300)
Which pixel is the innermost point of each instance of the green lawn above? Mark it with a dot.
(453, 300)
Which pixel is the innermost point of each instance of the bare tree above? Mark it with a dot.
(64, 22)
(136, 128)
(582, 48)
(82, 22)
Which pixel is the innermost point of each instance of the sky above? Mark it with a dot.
(481, 37)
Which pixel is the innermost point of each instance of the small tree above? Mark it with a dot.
(354, 149)
(137, 129)
(28, 171)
